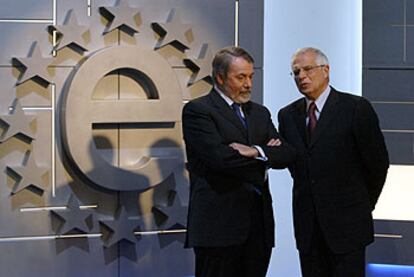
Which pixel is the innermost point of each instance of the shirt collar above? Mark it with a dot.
(321, 100)
(225, 97)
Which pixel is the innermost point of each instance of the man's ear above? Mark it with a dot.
(220, 79)
(326, 70)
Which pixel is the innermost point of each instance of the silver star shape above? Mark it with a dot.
(201, 66)
(36, 66)
(122, 16)
(176, 213)
(172, 32)
(30, 175)
(18, 123)
(72, 33)
(74, 217)
(122, 228)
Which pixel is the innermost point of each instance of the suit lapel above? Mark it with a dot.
(300, 119)
(328, 113)
(227, 112)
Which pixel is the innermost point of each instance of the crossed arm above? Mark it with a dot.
(205, 145)
(251, 151)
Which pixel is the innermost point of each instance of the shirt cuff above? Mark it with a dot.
(262, 155)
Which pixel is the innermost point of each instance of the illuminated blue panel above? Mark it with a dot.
(384, 270)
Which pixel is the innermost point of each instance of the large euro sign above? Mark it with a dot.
(80, 111)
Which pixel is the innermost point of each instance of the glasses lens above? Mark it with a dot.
(306, 69)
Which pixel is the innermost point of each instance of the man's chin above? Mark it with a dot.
(244, 98)
(304, 92)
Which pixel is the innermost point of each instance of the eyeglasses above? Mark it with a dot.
(306, 69)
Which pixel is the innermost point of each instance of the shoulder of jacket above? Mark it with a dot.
(292, 106)
(200, 101)
(351, 99)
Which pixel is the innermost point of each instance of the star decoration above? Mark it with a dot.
(75, 218)
(176, 213)
(201, 67)
(18, 124)
(71, 33)
(122, 228)
(172, 32)
(121, 17)
(36, 66)
(30, 175)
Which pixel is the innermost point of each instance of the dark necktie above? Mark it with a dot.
(236, 108)
(312, 118)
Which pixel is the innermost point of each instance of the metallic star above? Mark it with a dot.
(122, 228)
(201, 66)
(30, 175)
(176, 213)
(121, 17)
(18, 124)
(172, 32)
(74, 217)
(36, 66)
(72, 33)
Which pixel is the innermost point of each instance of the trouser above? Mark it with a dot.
(250, 259)
(320, 261)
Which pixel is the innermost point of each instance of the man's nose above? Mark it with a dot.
(301, 74)
(248, 82)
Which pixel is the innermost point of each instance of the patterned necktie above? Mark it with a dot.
(312, 118)
(236, 108)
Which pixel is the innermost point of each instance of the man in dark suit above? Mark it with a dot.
(230, 143)
(339, 172)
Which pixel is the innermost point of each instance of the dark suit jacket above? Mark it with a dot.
(222, 181)
(339, 173)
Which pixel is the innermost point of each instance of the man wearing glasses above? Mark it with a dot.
(339, 172)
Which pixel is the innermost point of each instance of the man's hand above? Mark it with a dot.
(244, 150)
(274, 142)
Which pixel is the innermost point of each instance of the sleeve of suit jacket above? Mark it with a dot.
(204, 141)
(371, 146)
(280, 156)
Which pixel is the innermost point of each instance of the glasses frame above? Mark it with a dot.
(306, 69)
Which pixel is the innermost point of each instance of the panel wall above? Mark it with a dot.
(388, 63)
(56, 218)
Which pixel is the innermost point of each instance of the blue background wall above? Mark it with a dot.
(335, 27)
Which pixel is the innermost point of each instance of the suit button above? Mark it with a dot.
(313, 182)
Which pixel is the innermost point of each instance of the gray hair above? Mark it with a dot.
(321, 58)
(225, 56)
